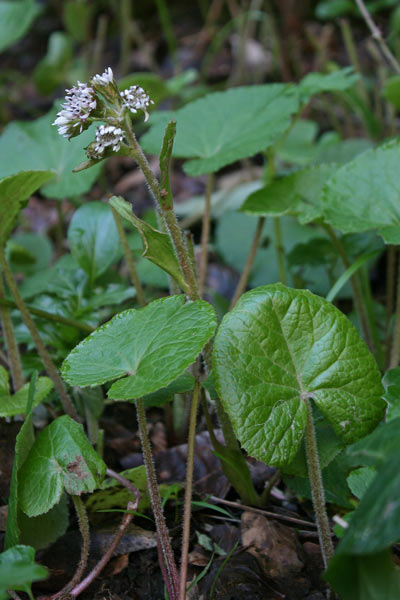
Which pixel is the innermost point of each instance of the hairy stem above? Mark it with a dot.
(14, 358)
(205, 233)
(37, 340)
(188, 490)
(127, 518)
(129, 259)
(317, 487)
(156, 500)
(241, 286)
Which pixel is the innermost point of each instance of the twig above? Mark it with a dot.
(377, 35)
(126, 483)
(205, 233)
(241, 286)
(127, 518)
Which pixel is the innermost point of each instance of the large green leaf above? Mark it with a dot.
(364, 194)
(279, 345)
(61, 458)
(93, 238)
(233, 124)
(16, 16)
(157, 246)
(14, 195)
(18, 570)
(297, 194)
(37, 145)
(149, 347)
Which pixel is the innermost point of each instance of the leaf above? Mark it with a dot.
(157, 246)
(391, 90)
(376, 448)
(61, 458)
(184, 383)
(363, 194)
(275, 347)
(337, 81)
(18, 570)
(359, 480)
(37, 145)
(235, 124)
(113, 495)
(14, 195)
(52, 69)
(391, 382)
(149, 347)
(297, 194)
(15, 19)
(93, 238)
(298, 146)
(15, 404)
(38, 248)
(43, 530)
(372, 577)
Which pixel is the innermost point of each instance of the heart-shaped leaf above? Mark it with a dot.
(364, 194)
(297, 194)
(15, 19)
(279, 346)
(61, 458)
(14, 195)
(149, 347)
(157, 246)
(37, 145)
(18, 570)
(234, 124)
(93, 238)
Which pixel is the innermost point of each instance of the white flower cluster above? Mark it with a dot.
(135, 98)
(108, 135)
(80, 101)
(106, 78)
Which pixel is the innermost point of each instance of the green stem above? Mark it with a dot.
(369, 306)
(43, 314)
(280, 254)
(205, 233)
(317, 487)
(351, 50)
(129, 259)
(241, 286)
(188, 490)
(395, 352)
(355, 285)
(37, 340)
(156, 500)
(14, 358)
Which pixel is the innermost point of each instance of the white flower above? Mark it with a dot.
(105, 79)
(80, 102)
(108, 135)
(135, 98)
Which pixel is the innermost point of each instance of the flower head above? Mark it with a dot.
(106, 136)
(104, 79)
(135, 98)
(80, 102)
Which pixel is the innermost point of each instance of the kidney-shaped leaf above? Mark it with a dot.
(223, 127)
(297, 194)
(149, 347)
(278, 346)
(364, 194)
(18, 570)
(14, 194)
(61, 458)
(93, 238)
(37, 145)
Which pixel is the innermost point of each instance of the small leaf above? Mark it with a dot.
(363, 194)
(184, 383)
(15, 19)
(337, 81)
(235, 124)
(151, 346)
(297, 194)
(15, 404)
(359, 480)
(61, 458)
(279, 345)
(14, 195)
(52, 69)
(93, 238)
(113, 495)
(18, 570)
(36, 145)
(157, 246)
